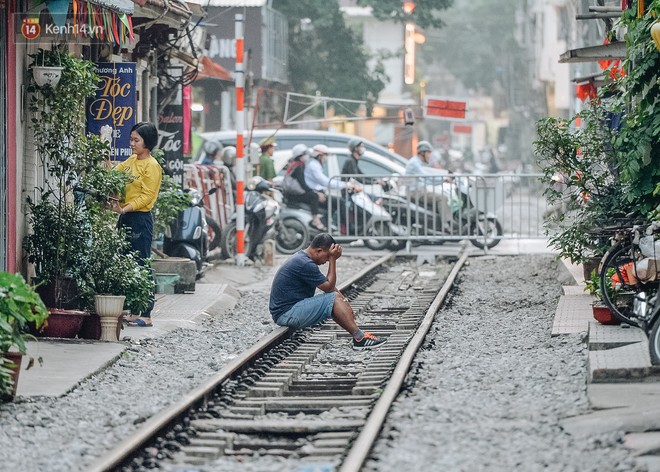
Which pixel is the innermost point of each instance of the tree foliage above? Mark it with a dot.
(478, 43)
(638, 144)
(327, 57)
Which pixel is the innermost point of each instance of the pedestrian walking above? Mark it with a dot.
(292, 299)
(140, 196)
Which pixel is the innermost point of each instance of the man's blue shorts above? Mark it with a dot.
(309, 311)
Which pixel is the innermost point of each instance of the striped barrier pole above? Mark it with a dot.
(240, 164)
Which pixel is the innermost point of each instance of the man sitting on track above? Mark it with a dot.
(292, 300)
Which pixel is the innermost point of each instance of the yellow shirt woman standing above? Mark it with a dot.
(141, 194)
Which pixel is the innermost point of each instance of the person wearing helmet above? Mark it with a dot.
(228, 157)
(427, 191)
(212, 150)
(296, 189)
(314, 175)
(356, 146)
(266, 166)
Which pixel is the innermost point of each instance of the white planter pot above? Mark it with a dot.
(109, 309)
(44, 75)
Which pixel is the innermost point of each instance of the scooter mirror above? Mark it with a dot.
(213, 190)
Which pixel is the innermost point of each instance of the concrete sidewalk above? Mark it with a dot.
(67, 362)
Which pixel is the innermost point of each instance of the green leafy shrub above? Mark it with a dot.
(20, 306)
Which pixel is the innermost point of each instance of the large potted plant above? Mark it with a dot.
(58, 232)
(110, 273)
(20, 306)
(581, 182)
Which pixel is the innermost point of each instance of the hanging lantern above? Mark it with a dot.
(655, 33)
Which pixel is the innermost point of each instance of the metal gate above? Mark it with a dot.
(436, 209)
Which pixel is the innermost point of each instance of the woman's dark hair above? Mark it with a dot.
(322, 241)
(149, 133)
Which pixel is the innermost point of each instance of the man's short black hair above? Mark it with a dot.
(148, 132)
(322, 241)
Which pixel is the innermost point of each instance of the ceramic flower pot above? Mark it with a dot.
(109, 308)
(604, 315)
(62, 323)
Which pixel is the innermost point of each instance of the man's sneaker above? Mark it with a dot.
(369, 341)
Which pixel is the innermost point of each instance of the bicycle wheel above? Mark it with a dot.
(618, 285)
(654, 343)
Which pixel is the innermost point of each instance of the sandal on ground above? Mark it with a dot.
(129, 318)
(140, 323)
(318, 227)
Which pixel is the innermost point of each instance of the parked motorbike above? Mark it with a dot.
(188, 235)
(261, 222)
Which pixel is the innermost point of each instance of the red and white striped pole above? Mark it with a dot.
(240, 164)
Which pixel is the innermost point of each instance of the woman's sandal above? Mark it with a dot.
(139, 322)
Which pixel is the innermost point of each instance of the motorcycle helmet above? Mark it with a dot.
(424, 146)
(320, 150)
(211, 147)
(229, 156)
(354, 145)
(298, 150)
(259, 184)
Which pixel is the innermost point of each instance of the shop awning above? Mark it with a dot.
(121, 6)
(211, 70)
(170, 12)
(610, 51)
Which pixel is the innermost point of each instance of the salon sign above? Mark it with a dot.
(114, 104)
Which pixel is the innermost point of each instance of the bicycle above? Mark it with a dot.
(629, 276)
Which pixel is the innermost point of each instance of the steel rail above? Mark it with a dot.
(362, 445)
(200, 395)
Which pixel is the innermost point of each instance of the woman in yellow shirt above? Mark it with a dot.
(141, 194)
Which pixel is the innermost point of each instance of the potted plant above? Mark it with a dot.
(59, 228)
(110, 273)
(581, 181)
(601, 311)
(20, 306)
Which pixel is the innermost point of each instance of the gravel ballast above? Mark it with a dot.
(487, 392)
(490, 386)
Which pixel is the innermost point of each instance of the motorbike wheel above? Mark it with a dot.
(228, 241)
(379, 228)
(620, 297)
(489, 227)
(214, 233)
(292, 236)
(654, 343)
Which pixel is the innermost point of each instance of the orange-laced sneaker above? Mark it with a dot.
(369, 341)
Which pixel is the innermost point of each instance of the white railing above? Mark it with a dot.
(434, 209)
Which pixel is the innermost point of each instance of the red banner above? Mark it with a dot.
(444, 109)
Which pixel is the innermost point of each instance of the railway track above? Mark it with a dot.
(302, 395)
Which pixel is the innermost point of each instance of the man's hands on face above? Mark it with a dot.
(335, 251)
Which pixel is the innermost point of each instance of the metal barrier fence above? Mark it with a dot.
(435, 209)
(219, 206)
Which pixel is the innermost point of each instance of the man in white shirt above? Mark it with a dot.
(316, 179)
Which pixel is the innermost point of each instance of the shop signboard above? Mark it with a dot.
(114, 104)
(443, 108)
(170, 124)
